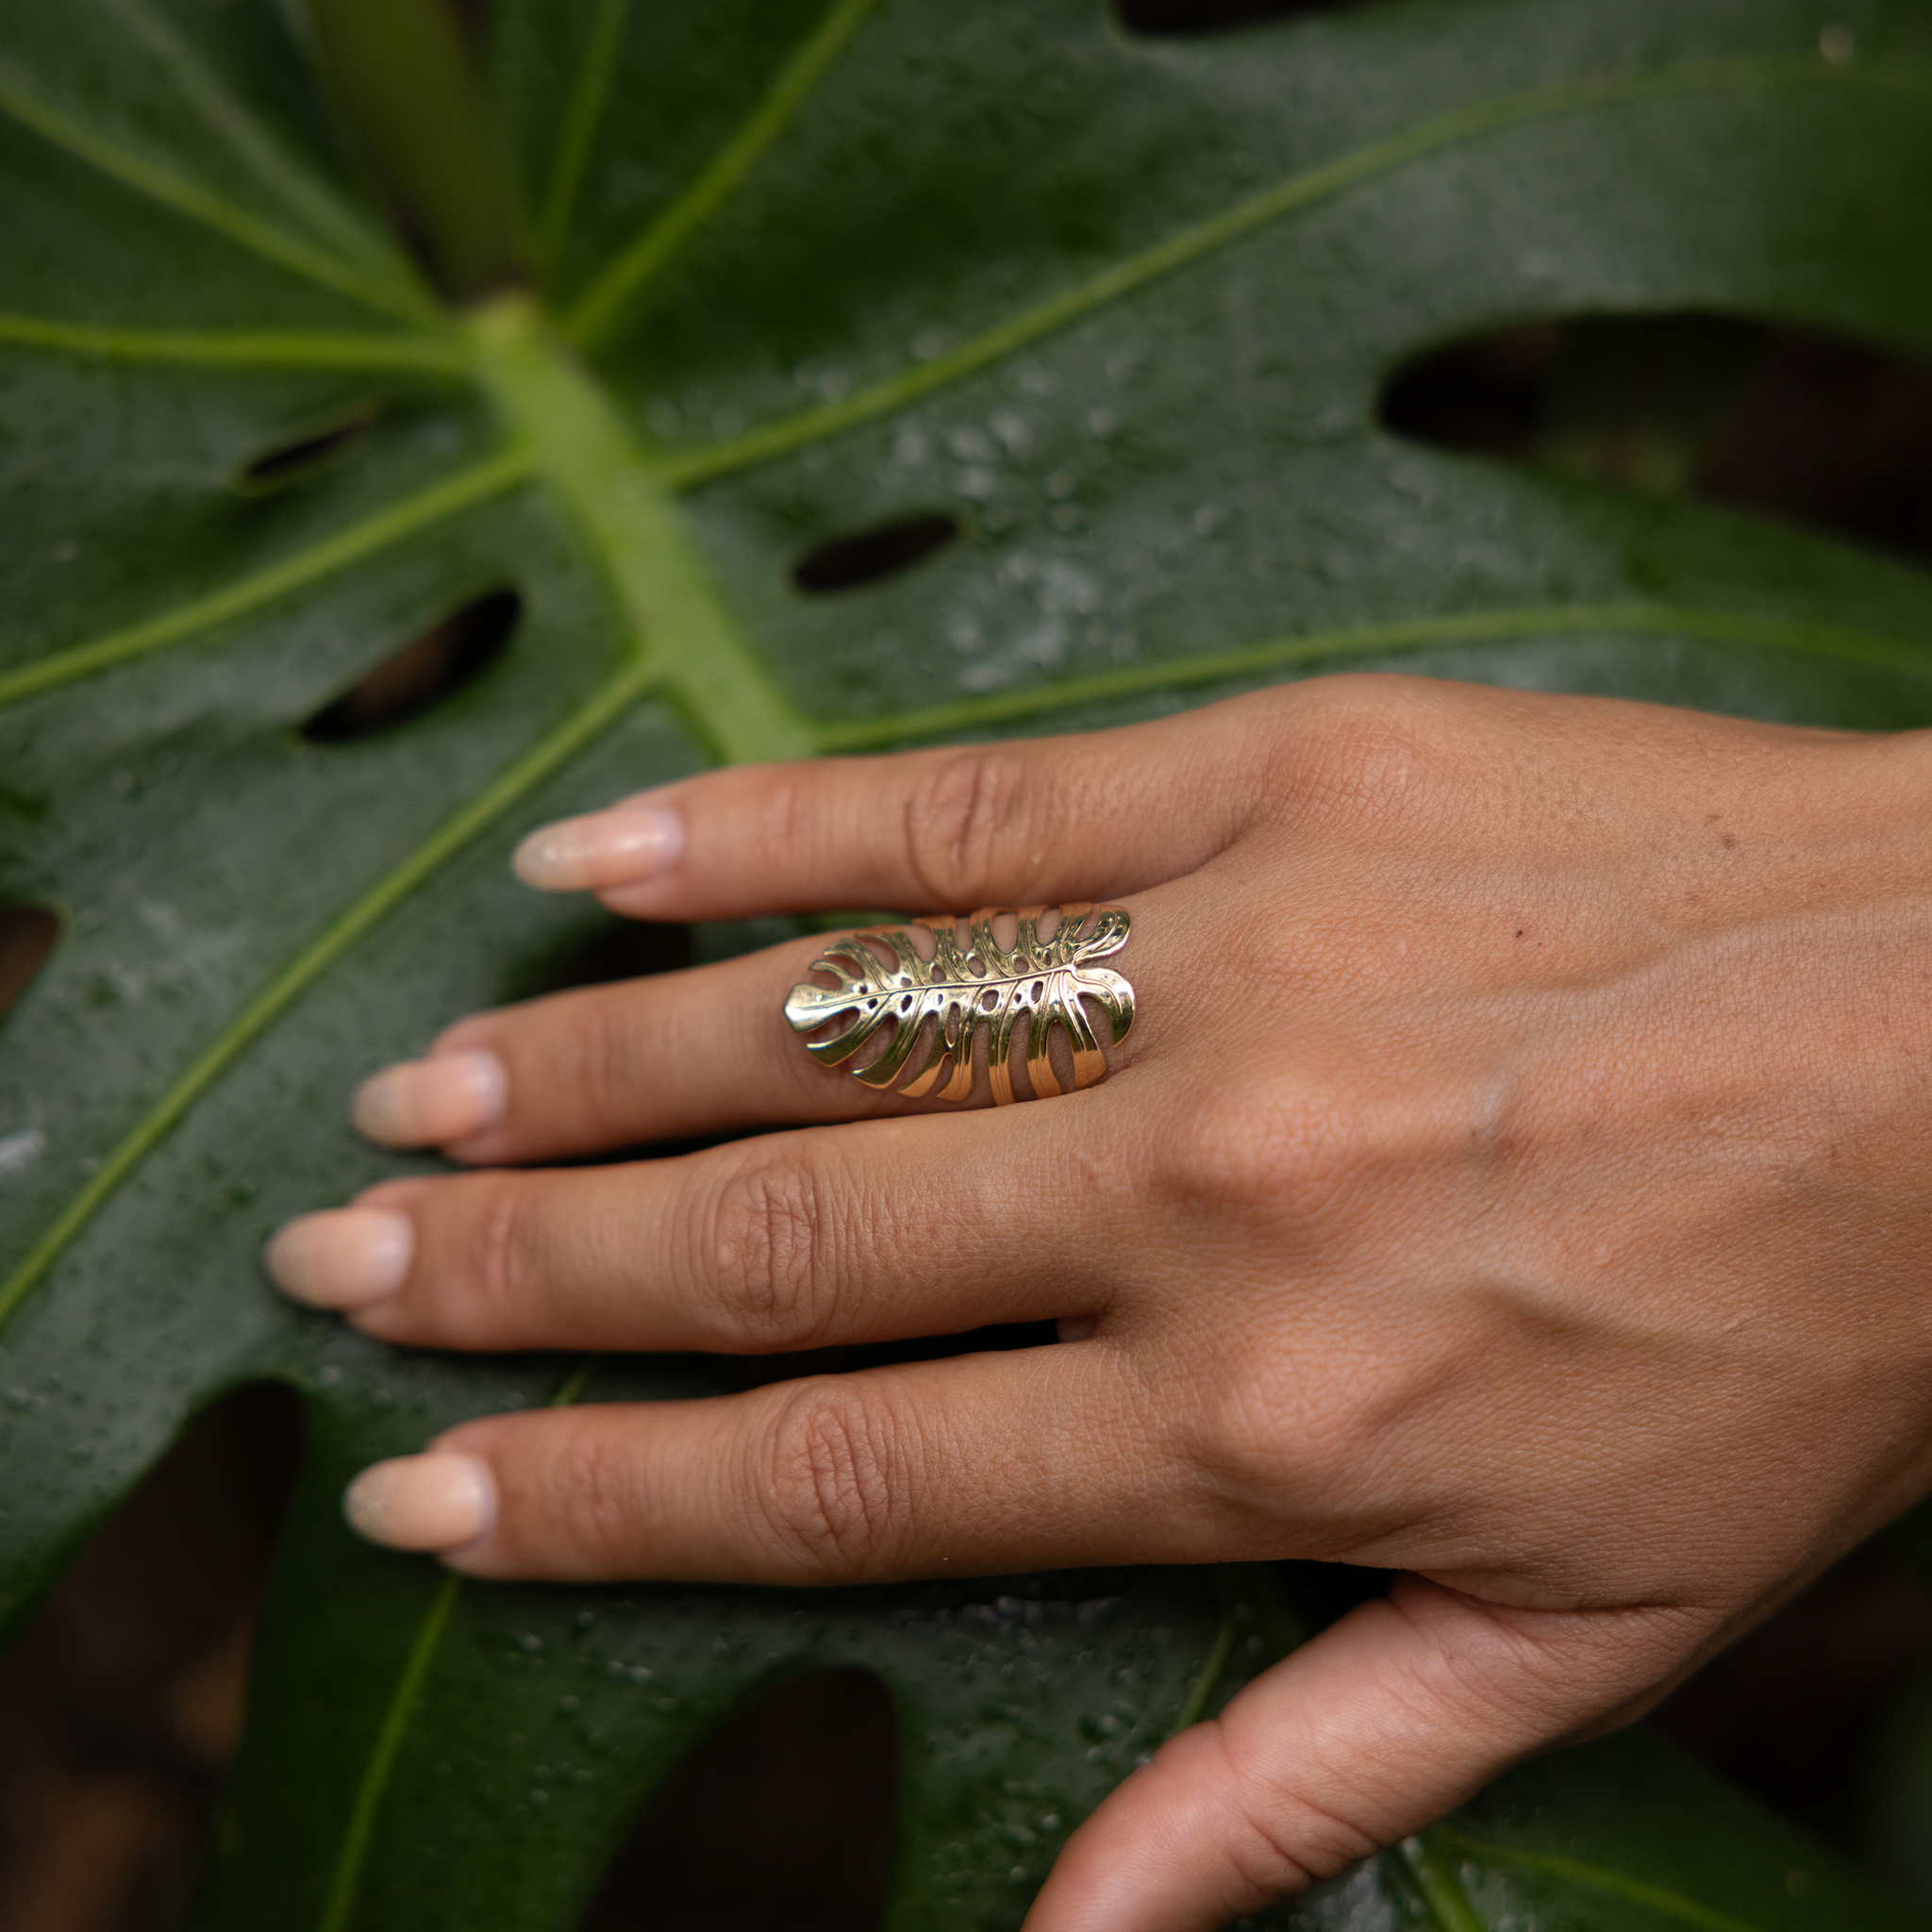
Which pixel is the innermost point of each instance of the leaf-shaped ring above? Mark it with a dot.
(1047, 980)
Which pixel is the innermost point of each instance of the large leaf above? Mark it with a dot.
(1120, 309)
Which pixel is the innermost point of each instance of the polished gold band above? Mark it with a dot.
(1046, 980)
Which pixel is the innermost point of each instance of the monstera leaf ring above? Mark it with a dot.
(882, 979)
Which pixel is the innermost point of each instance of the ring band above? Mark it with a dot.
(1046, 980)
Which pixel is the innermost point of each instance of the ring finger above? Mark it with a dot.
(880, 1231)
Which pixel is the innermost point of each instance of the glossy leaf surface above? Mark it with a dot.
(1116, 310)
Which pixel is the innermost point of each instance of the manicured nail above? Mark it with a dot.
(436, 1501)
(425, 1103)
(344, 1257)
(623, 846)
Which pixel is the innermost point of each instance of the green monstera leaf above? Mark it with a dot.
(750, 285)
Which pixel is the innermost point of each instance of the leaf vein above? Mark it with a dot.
(336, 939)
(370, 1792)
(306, 567)
(1294, 195)
(581, 121)
(1599, 1877)
(599, 311)
(240, 349)
(299, 192)
(1753, 629)
(347, 1874)
(188, 198)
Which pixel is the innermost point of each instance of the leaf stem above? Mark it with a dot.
(405, 519)
(1752, 629)
(583, 449)
(1291, 196)
(601, 310)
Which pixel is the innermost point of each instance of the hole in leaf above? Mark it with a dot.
(302, 456)
(120, 1703)
(1214, 16)
(1816, 430)
(866, 555)
(28, 935)
(783, 1817)
(452, 652)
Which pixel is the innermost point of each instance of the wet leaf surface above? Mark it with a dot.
(1118, 308)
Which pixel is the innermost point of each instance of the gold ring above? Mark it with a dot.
(1048, 980)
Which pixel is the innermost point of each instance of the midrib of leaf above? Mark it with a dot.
(581, 120)
(1291, 196)
(608, 702)
(199, 203)
(187, 620)
(265, 157)
(1750, 628)
(593, 319)
(347, 1878)
(581, 445)
(241, 348)
(1640, 1891)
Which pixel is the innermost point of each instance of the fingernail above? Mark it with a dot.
(424, 1103)
(344, 1257)
(431, 1502)
(623, 846)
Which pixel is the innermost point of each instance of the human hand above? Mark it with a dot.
(1518, 1176)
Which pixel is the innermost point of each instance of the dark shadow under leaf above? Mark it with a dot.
(122, 1702)
(783, 1817)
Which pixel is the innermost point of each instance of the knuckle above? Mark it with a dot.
(591, 1487)
(1361, 748)
(1285, 1153)
(500, 1272)
(1277, 1852)
(759, 1261)
(827, 1489)
(1257, 1435)
(610, 1077)
(963, 818)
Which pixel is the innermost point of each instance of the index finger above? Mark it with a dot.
(1085, 817)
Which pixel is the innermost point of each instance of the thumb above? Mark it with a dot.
(1390, 1718)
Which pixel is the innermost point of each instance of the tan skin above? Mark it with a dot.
(1519, 1177)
